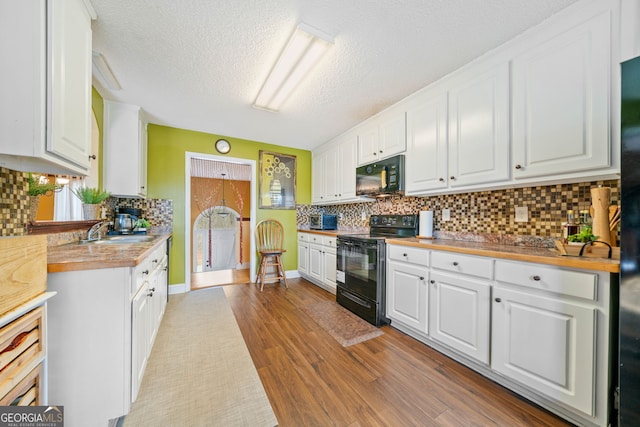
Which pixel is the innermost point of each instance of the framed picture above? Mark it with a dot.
(277, 179)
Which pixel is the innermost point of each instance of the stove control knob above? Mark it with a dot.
(373, 219)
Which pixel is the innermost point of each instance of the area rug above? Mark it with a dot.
(200, 372)
(347, 328)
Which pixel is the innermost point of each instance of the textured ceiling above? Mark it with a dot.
(199, 64)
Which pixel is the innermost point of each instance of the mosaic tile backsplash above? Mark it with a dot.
(14, 205)
(490, 214)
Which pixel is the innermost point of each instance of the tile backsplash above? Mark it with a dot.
(14, 205)
(483, 212)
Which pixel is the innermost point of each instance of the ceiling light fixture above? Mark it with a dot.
(102, 72)
(302, 52)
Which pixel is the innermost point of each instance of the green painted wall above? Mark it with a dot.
(166, 180)
(97, 105)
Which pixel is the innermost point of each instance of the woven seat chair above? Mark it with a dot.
(270, 244)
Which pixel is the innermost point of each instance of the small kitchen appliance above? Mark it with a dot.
(124, 223)
(323, 222)
(361, 270)
(381, 178)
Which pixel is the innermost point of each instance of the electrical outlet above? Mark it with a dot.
(446, 214)
(339, 215)
(364, 215)
(522, 214)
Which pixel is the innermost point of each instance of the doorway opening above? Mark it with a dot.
(220, 208)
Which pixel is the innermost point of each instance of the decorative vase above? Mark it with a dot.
(90, 211)
(34, 202)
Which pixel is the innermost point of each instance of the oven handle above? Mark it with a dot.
(355, 299)
(357, 244)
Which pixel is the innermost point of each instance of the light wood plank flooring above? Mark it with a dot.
(392, 380)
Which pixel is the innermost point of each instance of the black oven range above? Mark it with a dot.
(361, 270)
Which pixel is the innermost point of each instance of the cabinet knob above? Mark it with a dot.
(154, 261)
(375, 154)
(152, 289)
(518, 166)
(441, 180)
(166, 268)
(142, 186)
(433, 282)
(452, 178)
(92, 157)
(404, 255)
(498, 299)
(536, 278)
(145, 272)
(380, 151)
(335, 195)
(421, 278)
(455, 263)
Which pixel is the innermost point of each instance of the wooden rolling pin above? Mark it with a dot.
(600, 200)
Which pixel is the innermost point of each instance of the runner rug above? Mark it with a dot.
(347, 328)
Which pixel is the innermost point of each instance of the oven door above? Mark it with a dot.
(358, 264)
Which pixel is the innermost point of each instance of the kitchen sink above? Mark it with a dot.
(117, 240)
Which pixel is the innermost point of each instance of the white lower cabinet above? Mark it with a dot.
(317, 259)
(460, 314)
(407, 296)
(542, 331)
(101, 327)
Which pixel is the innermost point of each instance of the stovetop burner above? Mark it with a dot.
(387, 226)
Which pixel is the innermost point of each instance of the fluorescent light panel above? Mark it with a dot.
(302, 52)
(102, 72)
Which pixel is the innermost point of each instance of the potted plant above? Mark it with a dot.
(91, 198)
(584, 236)
(142, 224)
(38, 187)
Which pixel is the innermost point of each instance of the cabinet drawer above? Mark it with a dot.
(551, 279)
(22, 346)
(27, 392)
(464, 264)
(315, 238)
(329, 241)
(409, 254)
(303, 237)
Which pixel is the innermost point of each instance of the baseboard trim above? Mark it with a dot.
(179, 288)
(292, 274)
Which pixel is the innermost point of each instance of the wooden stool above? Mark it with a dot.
(271, 259)
(270, 243)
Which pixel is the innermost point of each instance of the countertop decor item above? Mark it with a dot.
(91, 199)
(600, 200)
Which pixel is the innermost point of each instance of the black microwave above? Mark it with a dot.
(380, 178)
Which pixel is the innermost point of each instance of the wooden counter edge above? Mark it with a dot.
(561, 261)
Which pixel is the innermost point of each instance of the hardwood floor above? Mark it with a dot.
(218, 278)
(391, 380)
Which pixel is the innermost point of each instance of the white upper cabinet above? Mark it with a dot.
(479, 127)
(45, 92)
(427, 164)
(561, 102)
(382, 137)
(125, 150)
(334, 171)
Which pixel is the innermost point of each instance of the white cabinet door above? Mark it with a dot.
(330, 263)
(479, 127)
(45, 106)
(426, 160)
(393, 135)
(459, 314)
(330, 175)
(125, 149)
(368, 142)
(348, 157)
(547, 344)
(561, 98)
(303, 257)
(407, 296)
(140, 337)
(70, 96)
(316, 259)
(317, 177)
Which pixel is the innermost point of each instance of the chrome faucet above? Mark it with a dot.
(96, 229)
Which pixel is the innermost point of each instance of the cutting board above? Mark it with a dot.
(23, 270)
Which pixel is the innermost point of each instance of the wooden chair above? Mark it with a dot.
(270, 243)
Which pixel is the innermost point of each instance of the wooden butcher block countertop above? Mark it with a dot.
(76, 256)
(515, 253)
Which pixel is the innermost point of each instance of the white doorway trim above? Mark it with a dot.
(187, 209)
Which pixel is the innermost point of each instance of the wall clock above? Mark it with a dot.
(223, 146)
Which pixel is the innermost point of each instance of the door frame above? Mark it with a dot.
(187, 209)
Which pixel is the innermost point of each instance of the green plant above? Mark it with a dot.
(583, 236)
(90, 195)
(142, 223)
(37, 188)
